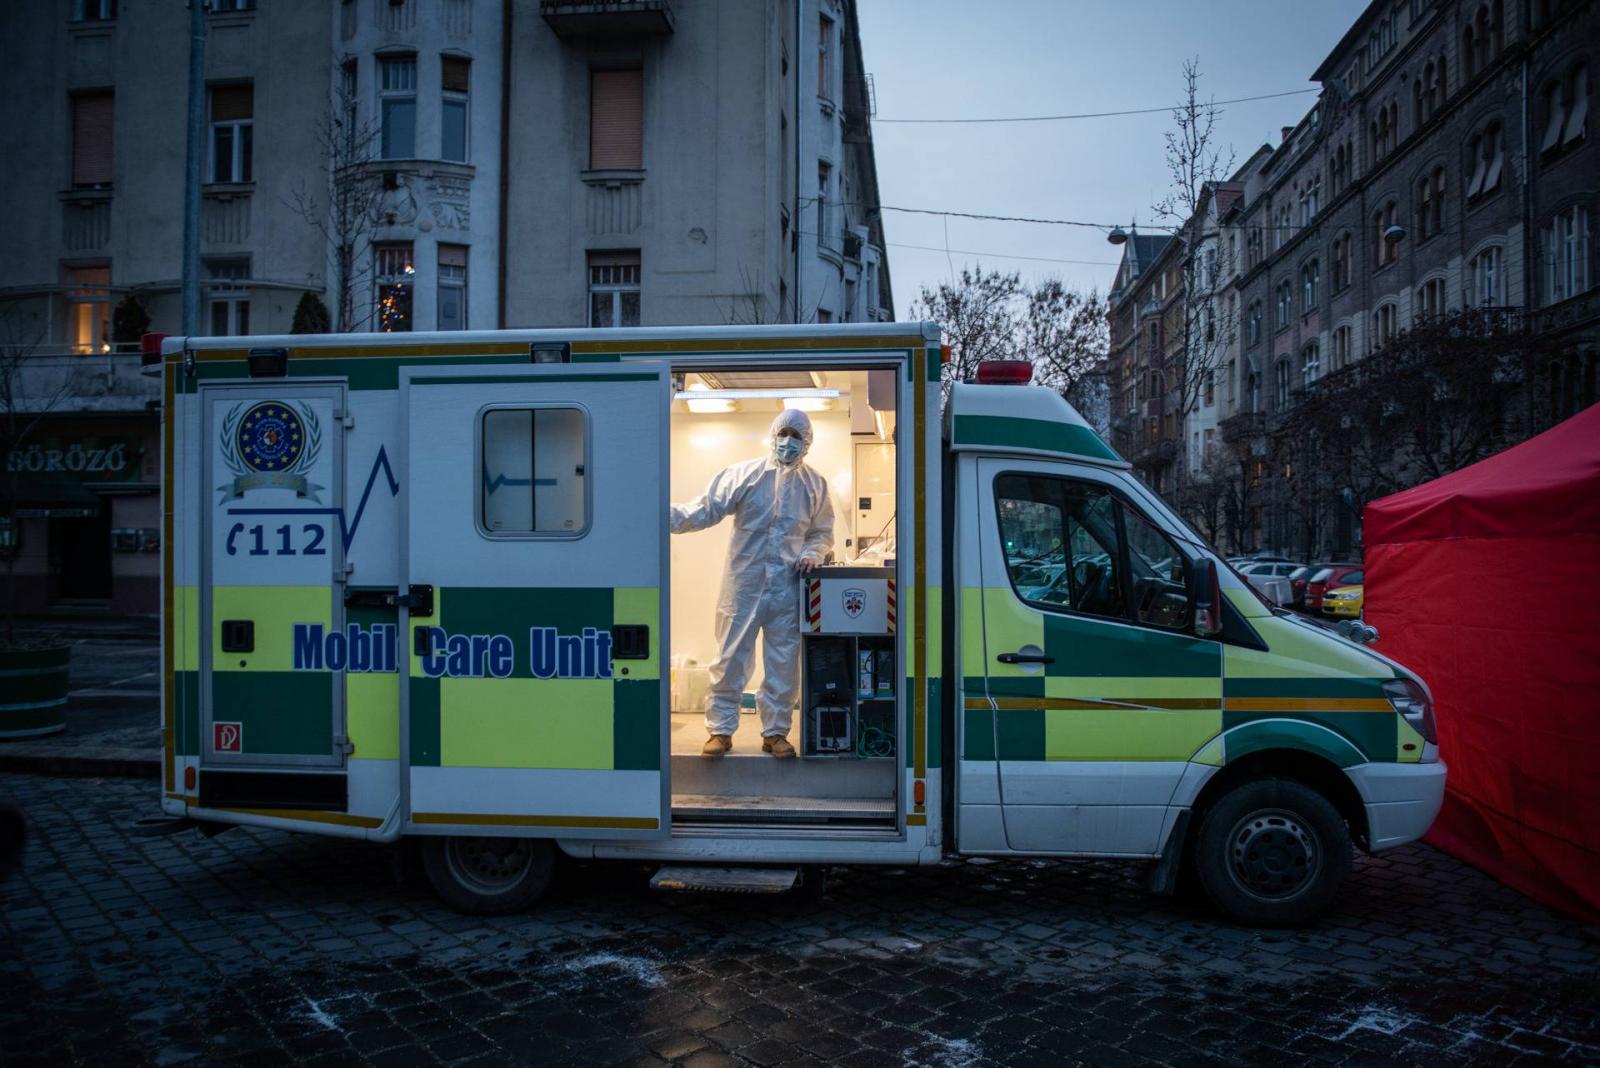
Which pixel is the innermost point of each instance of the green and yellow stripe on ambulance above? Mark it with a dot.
(1111, 693)
(557, 732)
(279, 707)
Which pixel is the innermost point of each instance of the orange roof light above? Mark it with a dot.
(1005, 372)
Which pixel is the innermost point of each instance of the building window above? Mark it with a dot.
(1566, 255)
(1253, 323)
(1252, 389)
(1285, 304)
(1566, 104)
(1209, 386)
(397, 104)
(89, 308)
(232, 132)
(1310, 200)
(1485, 151)
(1384, 130)
(1386, 251)
(452, 287)
(1428, 91)
(1310, 363)
(455, 79)
(1430, 204)
(1283, 383)
(394, 274)
(616, 120)
(825, 235)
(1384, 325)
(825, 57)
(1430, 301)
(1310, 276)
(1486, 278)
(1341, 262)
(613, 289)
(94, 10)
(227, 300)
(217, 7)
(348, 98)
(1341, 349)
(534, 478)
(91, 141)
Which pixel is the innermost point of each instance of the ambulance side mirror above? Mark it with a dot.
(1206, 596)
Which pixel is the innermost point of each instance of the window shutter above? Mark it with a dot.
(456, 74)
(1580, 106)
(616, 120)
(1491, 180)
(1475, 186)
(91, 139)
(453, 255)
(230, 103)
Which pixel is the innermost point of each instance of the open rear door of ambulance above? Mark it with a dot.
(535, 549)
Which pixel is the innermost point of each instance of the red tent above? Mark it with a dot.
(1486, 582)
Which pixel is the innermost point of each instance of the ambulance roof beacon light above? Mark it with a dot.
(150, 349)
(549, 352)
(1005, 372)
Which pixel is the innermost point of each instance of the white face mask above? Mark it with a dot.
(787, 450)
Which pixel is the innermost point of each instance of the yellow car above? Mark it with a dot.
(1343, 601)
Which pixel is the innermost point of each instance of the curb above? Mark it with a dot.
(93, 762)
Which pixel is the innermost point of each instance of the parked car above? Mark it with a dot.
(1327, 579)
(1300, 580)
(1271, 578)
(1344, 602)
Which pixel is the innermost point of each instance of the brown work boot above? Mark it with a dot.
(778, 746)
(716, 745)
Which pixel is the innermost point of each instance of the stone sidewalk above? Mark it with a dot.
(261, 947)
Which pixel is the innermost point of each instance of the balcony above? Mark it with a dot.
(61, 379)
(1243, 427)
(577, 20)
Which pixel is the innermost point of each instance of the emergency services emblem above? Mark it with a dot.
(270, 445)
(855, 601)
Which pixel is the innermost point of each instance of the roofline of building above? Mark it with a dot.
(1351, 36)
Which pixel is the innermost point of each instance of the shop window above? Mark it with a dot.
(613, 289)
(534, 476)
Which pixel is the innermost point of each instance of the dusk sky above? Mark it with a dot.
(957, 59)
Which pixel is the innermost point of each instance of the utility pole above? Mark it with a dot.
(194, 162)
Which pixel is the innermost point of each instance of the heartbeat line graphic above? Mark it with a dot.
(501, 480)
(347, 534)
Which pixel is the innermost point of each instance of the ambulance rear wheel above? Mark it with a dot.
(1272, 853)
(488, 876)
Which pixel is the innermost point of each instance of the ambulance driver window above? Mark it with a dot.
(533, 473)
(1060, 542)
(1158, 574)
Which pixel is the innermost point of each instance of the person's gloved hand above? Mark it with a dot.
(807, 564)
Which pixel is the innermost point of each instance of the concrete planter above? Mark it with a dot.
(33, 691)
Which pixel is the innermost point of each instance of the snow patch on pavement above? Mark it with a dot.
(642, 971)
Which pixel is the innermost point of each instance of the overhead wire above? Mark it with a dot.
(1092, 114)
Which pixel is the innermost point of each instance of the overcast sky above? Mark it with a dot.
(962, 59)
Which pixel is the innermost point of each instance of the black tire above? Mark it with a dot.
(488, 876)
(1272, 853)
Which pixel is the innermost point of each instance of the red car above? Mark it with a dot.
(1325, 580)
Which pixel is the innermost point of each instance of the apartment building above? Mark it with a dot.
(1448, 164)
(411, 165)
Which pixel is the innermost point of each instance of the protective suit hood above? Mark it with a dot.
(797, 421)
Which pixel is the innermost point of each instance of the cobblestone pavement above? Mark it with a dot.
(259, 947)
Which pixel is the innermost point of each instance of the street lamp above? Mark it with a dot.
(1117, 236)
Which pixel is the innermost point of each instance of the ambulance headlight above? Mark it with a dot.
(1414, 705)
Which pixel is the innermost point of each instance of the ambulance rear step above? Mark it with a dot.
(726, 880)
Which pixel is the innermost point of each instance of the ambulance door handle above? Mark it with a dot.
(1025, 658)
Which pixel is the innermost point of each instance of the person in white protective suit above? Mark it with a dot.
(782, 528)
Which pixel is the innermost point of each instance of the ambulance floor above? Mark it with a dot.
(748, 783)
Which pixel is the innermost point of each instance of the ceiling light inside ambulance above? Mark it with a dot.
(712, 406)
(1005, 372)
(757, 394)
(808, 404)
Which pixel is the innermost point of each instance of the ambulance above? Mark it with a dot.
(420, 588)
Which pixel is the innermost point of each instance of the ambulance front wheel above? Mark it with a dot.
(488, 876)
(1272, 853)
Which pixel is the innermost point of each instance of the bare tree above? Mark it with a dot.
(344, 203)
(1196, 164)
(987, 315)
(25, 399)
